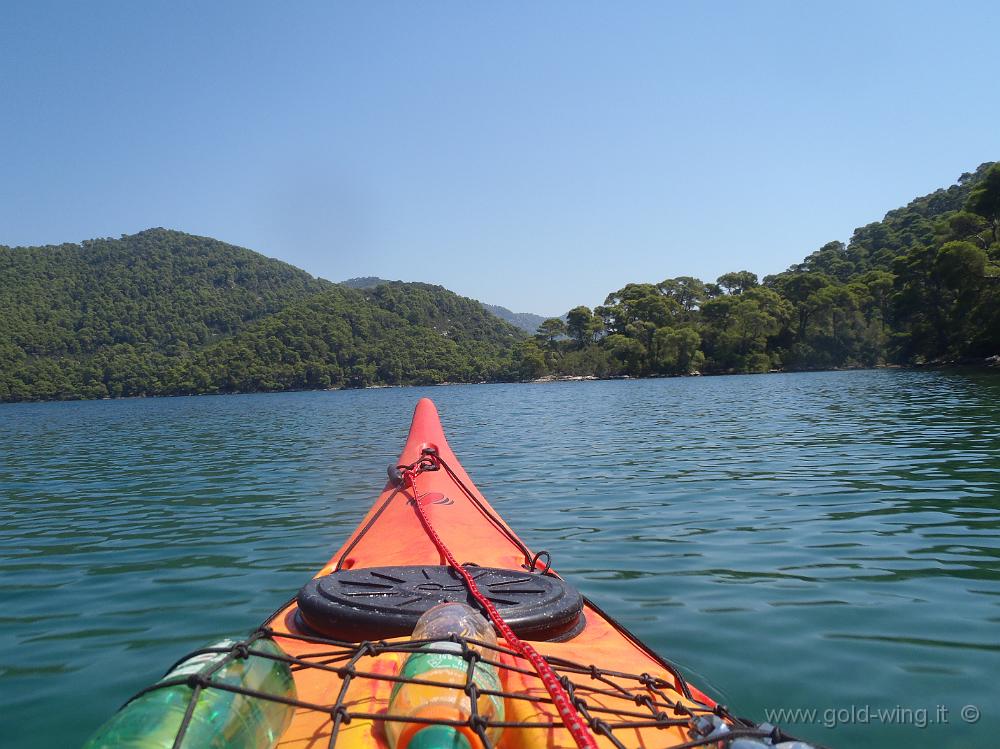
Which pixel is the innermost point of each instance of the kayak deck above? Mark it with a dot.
(629, 695)
(348, 686)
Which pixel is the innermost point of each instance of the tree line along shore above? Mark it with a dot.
(167, 313)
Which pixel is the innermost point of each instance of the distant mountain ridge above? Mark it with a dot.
(526, 321)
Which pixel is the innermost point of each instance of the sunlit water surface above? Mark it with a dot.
(825, 541)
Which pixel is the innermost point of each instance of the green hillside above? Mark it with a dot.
(158, 287)
(920, 286)
(162, 312)
(394, 334)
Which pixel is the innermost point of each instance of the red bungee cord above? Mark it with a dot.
(570, 717)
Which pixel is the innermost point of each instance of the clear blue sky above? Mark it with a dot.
(535, 155)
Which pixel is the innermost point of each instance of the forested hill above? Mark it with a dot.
(394, 334)
(158, 287)
(921, 286)
(162, 312)
(526, 321)
(923, 222)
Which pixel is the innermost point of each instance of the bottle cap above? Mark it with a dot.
(438, 737)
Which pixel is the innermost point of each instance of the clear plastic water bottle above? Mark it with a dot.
(443, 662)
(221, 719)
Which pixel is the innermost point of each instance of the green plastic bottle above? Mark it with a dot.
(221, 719)
(442, 662)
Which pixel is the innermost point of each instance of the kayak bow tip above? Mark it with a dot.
(425, 431)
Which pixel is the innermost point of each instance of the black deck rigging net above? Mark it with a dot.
(628, 700)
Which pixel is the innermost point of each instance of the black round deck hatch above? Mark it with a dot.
(380, 602)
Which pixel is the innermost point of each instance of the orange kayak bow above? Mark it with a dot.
(346, 664)
(630, 695)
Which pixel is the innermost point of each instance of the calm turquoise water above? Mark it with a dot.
(827, 541)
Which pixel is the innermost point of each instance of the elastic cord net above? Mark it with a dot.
(615, 704)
